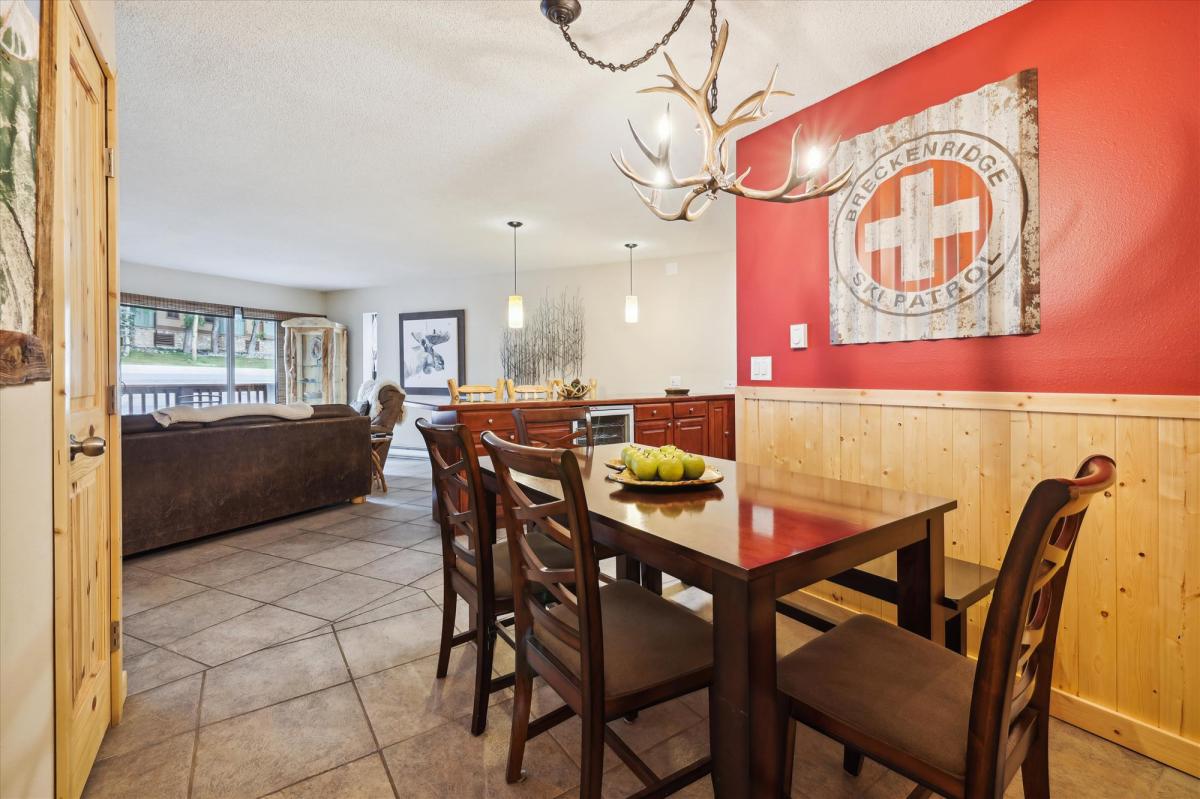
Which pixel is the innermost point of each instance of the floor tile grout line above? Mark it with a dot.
(366, 715)
(385, 618)
(196, 734)
(360, 612)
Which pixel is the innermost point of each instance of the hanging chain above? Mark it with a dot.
(712, 43)
(637, 62)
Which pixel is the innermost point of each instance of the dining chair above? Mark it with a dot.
(476, 393)
(553, 427)
(517, 393)
(607, 651)
(953, 727)
(473, 566)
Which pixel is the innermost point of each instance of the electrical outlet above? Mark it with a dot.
(760, 367)
(676, 381)
(730, 384)
(799, 336)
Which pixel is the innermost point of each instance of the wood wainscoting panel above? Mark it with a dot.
(1127, 666)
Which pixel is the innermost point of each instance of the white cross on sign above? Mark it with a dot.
(919, 223)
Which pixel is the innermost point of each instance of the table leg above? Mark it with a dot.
(921, 582)
(745, 723)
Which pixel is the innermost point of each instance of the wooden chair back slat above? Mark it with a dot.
(459, 500)
(1016, 654)
(528, 392)
(576, 588)
(551, 427)
(476, 393)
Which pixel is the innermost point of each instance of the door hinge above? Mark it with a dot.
(110, 163)
(115, 642)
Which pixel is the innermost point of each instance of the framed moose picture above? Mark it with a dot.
(433, 349)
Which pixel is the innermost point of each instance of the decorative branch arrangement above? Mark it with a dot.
(550, 345)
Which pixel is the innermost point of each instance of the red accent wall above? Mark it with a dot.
(1119, 122)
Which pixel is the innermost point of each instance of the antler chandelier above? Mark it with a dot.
(714, 175)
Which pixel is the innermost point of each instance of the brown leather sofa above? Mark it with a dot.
(191, 480)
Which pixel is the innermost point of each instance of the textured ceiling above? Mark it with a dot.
(349, 144)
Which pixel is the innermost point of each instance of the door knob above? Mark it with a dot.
(92, 446)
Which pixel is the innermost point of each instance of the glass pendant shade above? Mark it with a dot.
(516, 311)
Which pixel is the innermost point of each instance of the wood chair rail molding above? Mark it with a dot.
(1177, 406)
(1127, 661)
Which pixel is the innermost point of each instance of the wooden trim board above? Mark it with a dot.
(1168, 405)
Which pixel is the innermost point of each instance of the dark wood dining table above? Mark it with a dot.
(758, 535)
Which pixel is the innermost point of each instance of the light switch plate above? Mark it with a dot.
(672, 268)
(676, 381)
(799, 336)
(760, 367)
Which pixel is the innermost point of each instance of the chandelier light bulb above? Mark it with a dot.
(813, 158)
(660, 177)
(664, 126)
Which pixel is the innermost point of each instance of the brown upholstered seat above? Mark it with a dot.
(636, 622)
(910, 681)
(551, 554)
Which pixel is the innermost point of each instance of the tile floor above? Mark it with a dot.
(296, 659)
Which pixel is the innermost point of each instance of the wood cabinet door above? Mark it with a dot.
(653, 433)
(720, 430)
(691, 434)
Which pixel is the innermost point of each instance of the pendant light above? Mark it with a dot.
(631, 303)
(516, 305)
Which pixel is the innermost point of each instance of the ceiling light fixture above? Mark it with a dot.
(516, 305)
(802, 180)
(631, 304)
(714, 175)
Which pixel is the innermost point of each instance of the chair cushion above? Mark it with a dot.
(551, 552)
(648, 641)
(893, 686)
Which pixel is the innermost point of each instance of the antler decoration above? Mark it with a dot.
(714, 174)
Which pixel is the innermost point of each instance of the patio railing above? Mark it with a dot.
(147, 398)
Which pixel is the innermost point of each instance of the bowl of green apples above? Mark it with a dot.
(666, 467)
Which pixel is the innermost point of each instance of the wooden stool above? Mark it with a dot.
(379, 446)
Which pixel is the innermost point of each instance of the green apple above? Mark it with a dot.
(627, 453)
(644, 468)
(693, 466)
(670, 469)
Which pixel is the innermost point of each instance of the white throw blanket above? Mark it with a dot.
(369, 392)
(186, 413)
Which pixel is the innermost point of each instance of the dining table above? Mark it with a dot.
(760, 533)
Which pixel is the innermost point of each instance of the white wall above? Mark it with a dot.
(179, 285)
(27, 560)
(686, 327)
